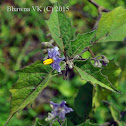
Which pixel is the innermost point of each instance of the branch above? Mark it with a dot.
(100, 8)
(95, 4)
(91, 52)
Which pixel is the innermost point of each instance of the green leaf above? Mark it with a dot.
(92, 74)
(87, 123)
(32, 80)
(112, 26)
(113, 73)
(60, 27)
(112, 76)
(83, 101)
(82, 41)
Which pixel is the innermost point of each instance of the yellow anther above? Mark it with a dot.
(48, 61)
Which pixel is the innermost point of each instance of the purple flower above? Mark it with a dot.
(53, 59)
(58, 110)
(105, 61)
(104, 64)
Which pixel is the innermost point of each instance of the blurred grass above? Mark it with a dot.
(21, 34)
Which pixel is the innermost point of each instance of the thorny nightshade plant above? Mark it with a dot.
(65, 53)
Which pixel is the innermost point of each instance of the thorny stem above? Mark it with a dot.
(98, 59)
(91, 59)
(88, 49)
(82, 59)
(100, 56)
(91, 52)
(84, 50)
(95, 4)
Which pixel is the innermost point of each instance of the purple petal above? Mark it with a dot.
(104, 64)
(55, 111)
(53, 104)
(56, 66)
(62, 115)
(59, 110)
(55, 52)
(68, 110)
(58, 60)
(50, 53)
(62, 104)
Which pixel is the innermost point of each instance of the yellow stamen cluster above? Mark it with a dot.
(48, 61)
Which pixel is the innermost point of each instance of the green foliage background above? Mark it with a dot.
(21, 34)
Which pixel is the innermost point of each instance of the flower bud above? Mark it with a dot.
(76, 57)
(47, 44)
(97, 64)
(105, 60)
(70, 64)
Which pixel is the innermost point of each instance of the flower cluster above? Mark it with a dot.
(58, 110)
(53, 59)
(97, 62)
